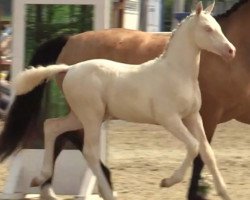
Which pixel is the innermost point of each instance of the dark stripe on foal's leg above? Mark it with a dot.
(48, 182)
(107, 174)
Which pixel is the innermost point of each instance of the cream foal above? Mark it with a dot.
(163, 91)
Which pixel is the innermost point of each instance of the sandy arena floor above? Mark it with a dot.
(141, 155)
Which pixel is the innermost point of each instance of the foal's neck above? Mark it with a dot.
(183, 53)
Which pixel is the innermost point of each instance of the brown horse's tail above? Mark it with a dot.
(24, 111)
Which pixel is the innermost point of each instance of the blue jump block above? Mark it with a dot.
(181, 15)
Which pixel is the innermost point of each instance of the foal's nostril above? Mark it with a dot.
(231, 51)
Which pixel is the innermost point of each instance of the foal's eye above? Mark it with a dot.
(208, 29)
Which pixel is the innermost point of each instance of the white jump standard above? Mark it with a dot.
(28, 162)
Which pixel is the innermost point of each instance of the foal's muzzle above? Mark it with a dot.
(228, 52)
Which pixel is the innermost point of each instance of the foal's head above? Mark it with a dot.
(208, 34)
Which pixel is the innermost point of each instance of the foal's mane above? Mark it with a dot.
(234, 8)
(173, 34)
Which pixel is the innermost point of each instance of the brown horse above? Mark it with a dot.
(225, 86)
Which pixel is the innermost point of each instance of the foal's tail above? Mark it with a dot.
(27, 80)
(24, 111)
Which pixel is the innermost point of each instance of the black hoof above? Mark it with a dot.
(197, 197)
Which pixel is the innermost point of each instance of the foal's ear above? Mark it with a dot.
(199, 8)
(210, 8)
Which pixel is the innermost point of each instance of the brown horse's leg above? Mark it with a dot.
(245, 117)
(46, 189)
(196, 176)
(210, 120)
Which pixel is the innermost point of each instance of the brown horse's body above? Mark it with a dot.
(225, 85)
(127, 46)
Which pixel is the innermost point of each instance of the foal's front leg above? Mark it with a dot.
(52, 129)
(177, 128)
(195, 125)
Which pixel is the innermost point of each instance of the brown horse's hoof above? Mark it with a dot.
(35, 182)
(198, 198)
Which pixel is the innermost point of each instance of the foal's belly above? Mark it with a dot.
(152, 108)
(130, 113)
(130, 108)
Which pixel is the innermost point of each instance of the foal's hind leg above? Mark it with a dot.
(47, 192)
(76, 138)
(78, 141)
(195, 125)
(91, 152)
(177, 128)
(52, 129)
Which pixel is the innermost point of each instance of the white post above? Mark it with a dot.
(179, 6)
(131, 16)
(27, 163)
(154, 14)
